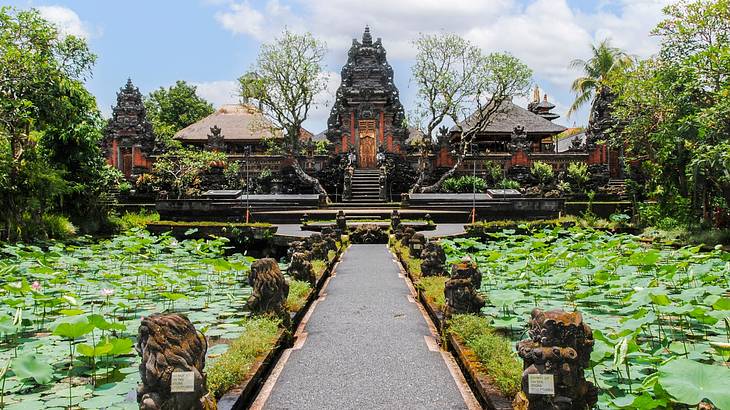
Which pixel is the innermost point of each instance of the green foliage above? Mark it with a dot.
(464, 184)
(507, 183)
(179, 171)
(320, 267)
(605, 61)
(493, 351)
(50, 126)
(673, 110)
(578, 176)
(172, 109)
(690, 382)
(543, 173)
(494, 172)
(131, 220)
(58, 227)
(298, 293)
(259, 336)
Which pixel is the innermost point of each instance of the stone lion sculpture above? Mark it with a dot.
(169, 343)
(460, 290)
(433, 260)
(300, 268)
(270, 290)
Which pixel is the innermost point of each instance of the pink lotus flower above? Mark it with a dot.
(36, 286)
(107, 292)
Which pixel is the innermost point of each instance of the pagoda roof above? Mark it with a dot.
(238, 122)
(511, 115)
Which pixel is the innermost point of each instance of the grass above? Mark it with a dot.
(493, 351)
(509, 223)
(213, 224)
(413, 265)
(130, 220)
(433, 289)
(232, 367)
(319, 267)
(298, 293)
(682, 235)
(331, 255)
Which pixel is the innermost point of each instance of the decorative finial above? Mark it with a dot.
(545, 98)
(366, 37)
(536, 94)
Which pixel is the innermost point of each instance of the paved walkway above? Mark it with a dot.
(366, 345)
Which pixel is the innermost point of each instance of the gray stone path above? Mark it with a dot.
(365, 347)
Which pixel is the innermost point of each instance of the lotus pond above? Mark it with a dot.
(70, 313)
(660, 316)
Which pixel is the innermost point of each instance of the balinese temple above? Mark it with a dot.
(128, 138)
(231, 129)
(512, 121)
(367, 113)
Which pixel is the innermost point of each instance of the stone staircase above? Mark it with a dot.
(365, 187)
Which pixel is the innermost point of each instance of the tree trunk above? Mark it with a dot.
(436, 186)
(304, 177)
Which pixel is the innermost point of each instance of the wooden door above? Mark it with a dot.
(368, 147)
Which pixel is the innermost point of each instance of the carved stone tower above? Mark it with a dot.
(367, 113)
(128, 137)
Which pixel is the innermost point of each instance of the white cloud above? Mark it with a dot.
(67, 21)
(218, 93)
(545, 34)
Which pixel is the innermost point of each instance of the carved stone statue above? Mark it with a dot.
(170, 343)
(369, 233)
(519, 140)
(270, 290)
(461, 289)
(416, 245)
(394, 220)
(330, 237)
(341, 220)
(317, 246)
(300, 268)
(347, 185)
(407, 233)
(434, 260)
(215, 140)
(560, 345)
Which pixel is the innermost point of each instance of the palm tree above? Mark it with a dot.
(605, 61)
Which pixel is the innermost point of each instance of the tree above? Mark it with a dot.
(180, 170)
(605, 60)
(458, 83)
(673, 111)
(172, 109)
(49, 123)
(287, 75)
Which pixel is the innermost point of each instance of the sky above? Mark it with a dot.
(210, 43)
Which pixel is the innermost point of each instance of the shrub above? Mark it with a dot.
(130, 220)
(259, 336)
(493, 351)
(542, 172)
(494, 172)
(578, 176)
(58, 226)
(464, 184)
(508, 184)
(319, 267)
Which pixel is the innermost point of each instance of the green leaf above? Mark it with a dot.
(94, 351)
(120, 346)
(28, 367)
(690, 382)
(72, 327)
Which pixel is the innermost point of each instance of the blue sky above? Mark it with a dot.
(212, 42)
